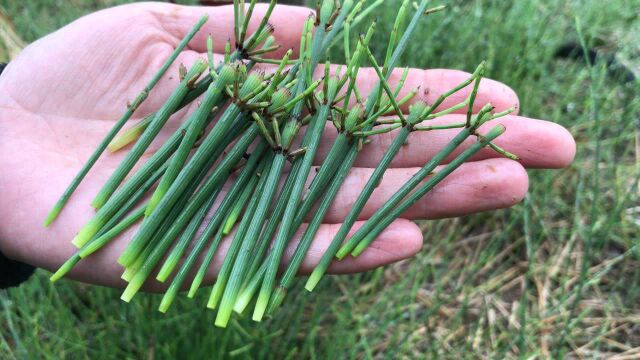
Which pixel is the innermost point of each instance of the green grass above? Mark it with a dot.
(556, 276)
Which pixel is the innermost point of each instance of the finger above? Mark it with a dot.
(473, 187)
(430, 84)
(288, 22)
(456, 195)
(538, 143)
(396, 243)
(434, 83)
(178, 20)
(401, 240)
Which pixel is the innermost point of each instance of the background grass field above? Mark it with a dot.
(556, 276)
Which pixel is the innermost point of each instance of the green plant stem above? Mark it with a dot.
(239, 194)
(402, 12)
(317, 189)
(232, 218)
(245, 22)
(439, 127)
(133, 133)
(415, 180)
(233, 214)
(426, 187)
(253, 232)
(326, 259)
(149, 134)
(123, 195)
(98, 241)
(193, 167)
(315, 128)
(327, 170)
(336, 26)
(177, 282)
(133, 200)
(306, 240)
(103, 215)
(446, 111)
(415, 117)
(272, 225)
(377, 131)
(217, 177)
(130, 271)
(201, 199)
(130, 135)
(372, 183)
(200, 87)
(120, 123)
(240, 268)
(213, 96)
(202, 271)
(232, 252)
(352, 154)
(355, 21)
(185, 239)
(105, 238)
(144, 255)
(253, 39)
(258, 267)
(250, 287)
(64, 269)
(115, 219)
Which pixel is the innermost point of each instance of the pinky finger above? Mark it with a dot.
(401, 240)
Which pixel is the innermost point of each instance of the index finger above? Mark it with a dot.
(177, 20)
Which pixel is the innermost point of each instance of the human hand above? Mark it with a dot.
(62, 94)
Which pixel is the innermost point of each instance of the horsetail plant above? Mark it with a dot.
(417, 178)
(281, 97)
(417, 113)
(262, 32)
(246, 183)
(315, 128)
(122, 196)
(160, 118)
(199, 121)
(425, 188)
(283, 142)
(203, 154)
(230, 257)
(131, 108)
(370, 108)
(345, 124)
(242, 132)
(237, 198)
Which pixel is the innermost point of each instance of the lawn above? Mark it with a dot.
(556, 276)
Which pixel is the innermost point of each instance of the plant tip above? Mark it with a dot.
(270, 28)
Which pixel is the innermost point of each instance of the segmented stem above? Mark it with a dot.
(57, 208)
(149, 134)
(426, 187)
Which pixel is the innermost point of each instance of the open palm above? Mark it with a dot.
(63, 93)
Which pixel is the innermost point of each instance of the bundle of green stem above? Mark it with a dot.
(246, 123)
